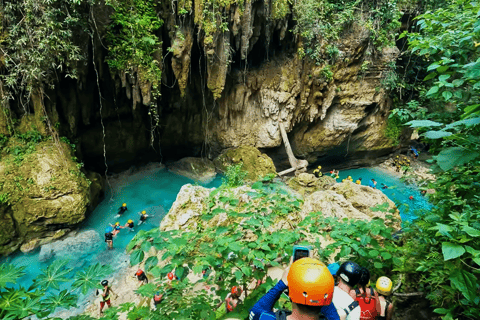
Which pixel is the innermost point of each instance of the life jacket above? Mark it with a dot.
(228, 305)
(368, 305)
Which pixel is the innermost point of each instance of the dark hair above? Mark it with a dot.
(311, 310)
(364, 278)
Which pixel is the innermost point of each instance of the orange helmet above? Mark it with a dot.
(170, 276)
(139, 272)
(236, 290)
(310, 283)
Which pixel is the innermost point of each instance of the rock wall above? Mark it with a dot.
(224, 89)
(46, 196)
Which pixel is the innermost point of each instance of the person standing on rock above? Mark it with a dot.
(373, 184)
(310, 288)
(348, 277)
(141, 276)
(105, 295)
(109, 237)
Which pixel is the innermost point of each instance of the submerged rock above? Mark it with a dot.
(198, 169)
(255, 163)
(74, 246)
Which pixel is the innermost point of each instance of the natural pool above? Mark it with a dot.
(154, 190)
(151, 188)
(397, 190)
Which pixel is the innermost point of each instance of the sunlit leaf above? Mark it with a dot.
(10, 273)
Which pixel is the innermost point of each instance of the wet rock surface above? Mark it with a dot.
(75, 245)
(198, 169)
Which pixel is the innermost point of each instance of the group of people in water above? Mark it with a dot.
(113, 229)
(334, 292)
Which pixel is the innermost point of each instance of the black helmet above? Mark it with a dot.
(364, 276)
(104, 283)
(349, 272)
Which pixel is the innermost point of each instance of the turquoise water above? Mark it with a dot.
(151, 188)
(398, 191)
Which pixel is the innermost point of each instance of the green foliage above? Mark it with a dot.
(234, 176)
(39, 44)
(133, 41)
(449, 248)
(393, 130)
(328, 19)
(44, 296)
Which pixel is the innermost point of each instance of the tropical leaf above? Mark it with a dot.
(90, 278)
(423, 123)
(62, 299)
(151, 262)
(437, 134)
(467, 122)
(465, 282)
(9, 274)
(452, 250)
(136, 257)
(55, 274)
(147, 290)
(455, 156)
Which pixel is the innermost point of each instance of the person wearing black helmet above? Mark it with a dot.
(348, 277)
(105, 295)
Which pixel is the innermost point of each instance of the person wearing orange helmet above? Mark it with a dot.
(310, 288)
(233, 298)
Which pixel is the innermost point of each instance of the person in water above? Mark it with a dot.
(130, 225)
(109, 237)
(116, 228)
(122, 209)
(373, 184)
(384, 186)
(105, 295)
(143, 217)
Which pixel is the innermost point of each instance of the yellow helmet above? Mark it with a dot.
(384, 286)
(117, 223)
(144, 212)
(124, 205)
(130, 221)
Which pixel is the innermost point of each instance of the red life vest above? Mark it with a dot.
(368, 305)
(229, 306)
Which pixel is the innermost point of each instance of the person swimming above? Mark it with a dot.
(121, 210)
(143, 217)
(130, 225)
(116, 228)
(384, 186)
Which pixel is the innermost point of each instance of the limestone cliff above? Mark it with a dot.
(44, 194)
(230, 75)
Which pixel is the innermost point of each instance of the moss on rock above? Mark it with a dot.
(255, 163)
(306, 183)
(46, 192)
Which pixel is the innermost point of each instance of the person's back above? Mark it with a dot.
(310, 286)
(367, 297)
(348, 277)
(384, 288)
